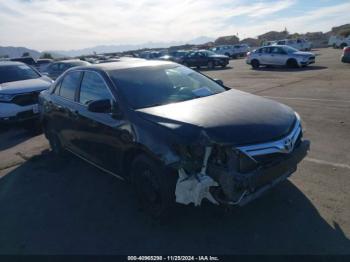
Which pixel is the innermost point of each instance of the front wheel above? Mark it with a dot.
(255, 64)
(55, 143)
(153, 187)
(292, 63)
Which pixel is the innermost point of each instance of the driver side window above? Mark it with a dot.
(93, 88)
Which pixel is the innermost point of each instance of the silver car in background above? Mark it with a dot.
(279, 55)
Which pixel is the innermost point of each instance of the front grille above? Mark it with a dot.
(270, 159)
(26, 99)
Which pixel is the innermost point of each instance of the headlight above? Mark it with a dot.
(6, 97)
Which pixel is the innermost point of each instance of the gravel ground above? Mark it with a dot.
(50, 206)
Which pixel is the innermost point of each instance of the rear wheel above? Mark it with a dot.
(55, 143)
(255, 64)
(154, 188)
(292, 63)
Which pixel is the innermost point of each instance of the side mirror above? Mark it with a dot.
(100, 106)
(220, 82)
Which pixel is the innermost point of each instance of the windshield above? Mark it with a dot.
(153, 86)
(13, 73)
(289, 49)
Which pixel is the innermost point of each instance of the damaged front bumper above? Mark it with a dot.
(225, 186)
(240, 189)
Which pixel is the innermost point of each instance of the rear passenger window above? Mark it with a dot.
(69, 85)
(93, 88)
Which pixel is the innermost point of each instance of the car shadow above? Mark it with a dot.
(203, 69)
(286, 69)
(12, 135)
(65, 206)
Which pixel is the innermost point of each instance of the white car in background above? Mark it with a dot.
(279, 55)
(20, 86)
(339, 42)
(300, 44)
(233, 51)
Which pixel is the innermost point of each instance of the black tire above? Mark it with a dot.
(154, 186)
(334, 46)
(55, 144)
(255, 64)
(211, 65)
(292, 63)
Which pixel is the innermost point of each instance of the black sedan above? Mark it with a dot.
(205, 58)
(174, 133)
(55, 69)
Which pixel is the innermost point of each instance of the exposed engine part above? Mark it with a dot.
(193, 189)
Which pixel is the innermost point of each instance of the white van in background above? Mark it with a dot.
(300, 44)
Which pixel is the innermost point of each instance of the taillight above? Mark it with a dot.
(346, 50)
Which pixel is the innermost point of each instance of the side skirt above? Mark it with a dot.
(95, 165)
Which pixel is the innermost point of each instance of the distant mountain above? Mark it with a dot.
(121, 48)
(12, 52)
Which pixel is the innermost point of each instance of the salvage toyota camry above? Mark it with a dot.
(176, 134)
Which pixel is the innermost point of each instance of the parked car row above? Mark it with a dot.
(198, 59)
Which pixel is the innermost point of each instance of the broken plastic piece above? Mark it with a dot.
(193, 189)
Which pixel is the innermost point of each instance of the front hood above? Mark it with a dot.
(25, 86)
(231, 117)
(304, 53)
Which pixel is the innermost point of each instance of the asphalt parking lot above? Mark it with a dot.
(48, 206)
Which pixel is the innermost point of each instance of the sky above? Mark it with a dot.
(75, 24)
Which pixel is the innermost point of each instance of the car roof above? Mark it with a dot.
(70, 61)
(9, 63)
(275, 46)
(125, 64)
